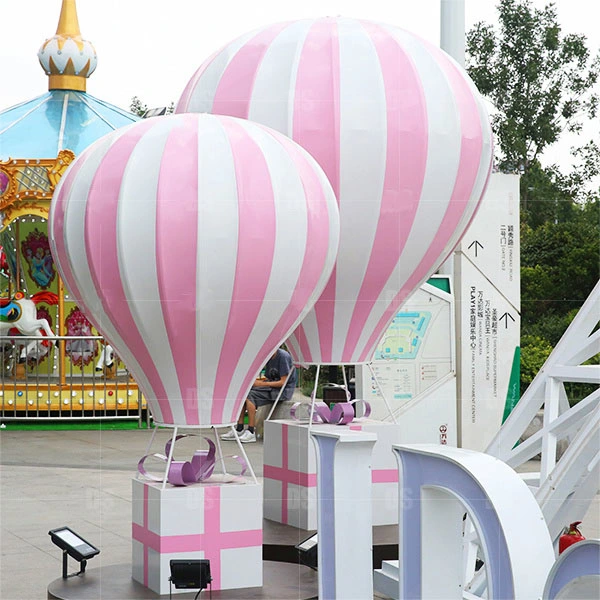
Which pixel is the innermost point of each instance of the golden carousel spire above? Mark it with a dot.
(66, 57)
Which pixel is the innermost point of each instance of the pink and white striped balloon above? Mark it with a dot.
(196, 244)
(403, 136)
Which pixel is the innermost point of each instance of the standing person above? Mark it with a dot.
(278, 372)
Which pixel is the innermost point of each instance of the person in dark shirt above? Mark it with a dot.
(278, 372)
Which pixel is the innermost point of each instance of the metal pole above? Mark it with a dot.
(452, 29)
(313, 398)
(241, 446)
(219, 450)
(170, 458)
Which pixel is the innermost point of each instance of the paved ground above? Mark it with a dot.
(82, 479)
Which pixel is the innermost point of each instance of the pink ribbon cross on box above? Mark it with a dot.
(210, 542)
(286, 475)
(380, 475)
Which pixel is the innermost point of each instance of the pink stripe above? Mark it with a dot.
(407, 127)
(302, 340)
(211, 545)
(256, 248)
(177, 219)
(286, 476)
(147, 529)
(313, 263)
(284, 467)
(168, 544)
(470, 157)
(384, 476)
(234, 92)
(211, 542)
(317, 129)
(101, 248)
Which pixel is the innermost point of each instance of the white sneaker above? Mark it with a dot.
(247, 437)
(230, 435)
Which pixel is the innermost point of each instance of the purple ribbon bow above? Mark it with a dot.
(342, 413)
(199, 469)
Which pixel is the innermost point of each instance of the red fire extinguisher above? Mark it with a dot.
(571, 536)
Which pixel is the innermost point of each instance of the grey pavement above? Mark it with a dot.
(82, 479)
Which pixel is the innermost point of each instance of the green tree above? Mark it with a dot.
(541, 81)
(139, 108)
(534, 352)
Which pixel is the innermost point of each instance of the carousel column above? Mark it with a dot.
(61, 331)
(344, 513)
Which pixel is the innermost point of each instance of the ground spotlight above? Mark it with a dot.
(190, 574)
(73, 545)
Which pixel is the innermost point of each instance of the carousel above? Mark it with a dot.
(53, 363)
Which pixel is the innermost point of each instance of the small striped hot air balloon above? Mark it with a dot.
(196, 244)
(401, 133)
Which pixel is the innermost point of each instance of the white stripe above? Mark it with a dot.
(308, 316)
(294, 347)
(484, 160)
(272, 101)
(100, 116)
(288, 256)
(309, 324)
(443, 157)
(63, 122)
(136, 248)
(74, 241)
(203, 94)
(363, 141)
(25, 115)
(216, 255)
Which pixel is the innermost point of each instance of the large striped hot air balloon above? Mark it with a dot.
(195, 244)
(401, 133)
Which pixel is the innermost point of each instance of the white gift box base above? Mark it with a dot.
(218, 521)
(290, 472)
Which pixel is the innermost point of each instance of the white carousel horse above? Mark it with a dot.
(20, 313)
(107, 361)
(106, 358)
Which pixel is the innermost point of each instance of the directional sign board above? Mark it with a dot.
(487, 279)
(414, 365)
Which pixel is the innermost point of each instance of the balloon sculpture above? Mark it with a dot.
(195, 244)
(401, 133)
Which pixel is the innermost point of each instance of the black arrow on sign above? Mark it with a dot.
(506, 316)
(476, 244)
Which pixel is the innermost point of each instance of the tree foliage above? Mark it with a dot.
(540, 80)
(543, 83)
(139, 108)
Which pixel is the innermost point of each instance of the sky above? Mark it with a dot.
(151, 48)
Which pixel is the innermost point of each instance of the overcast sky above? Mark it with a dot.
(150, 48)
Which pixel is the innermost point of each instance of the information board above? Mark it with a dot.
(414, 357)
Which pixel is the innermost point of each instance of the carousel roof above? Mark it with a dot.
(66, 117)
(57, 120)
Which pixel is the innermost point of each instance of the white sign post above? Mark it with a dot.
(487, 280)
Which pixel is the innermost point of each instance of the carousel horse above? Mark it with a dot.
(19, 315)
(107, 361)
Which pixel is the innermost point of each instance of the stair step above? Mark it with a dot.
(390, 567)
(385, 584)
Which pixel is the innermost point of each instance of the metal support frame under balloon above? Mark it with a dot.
(176, 429)
(345, 387)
